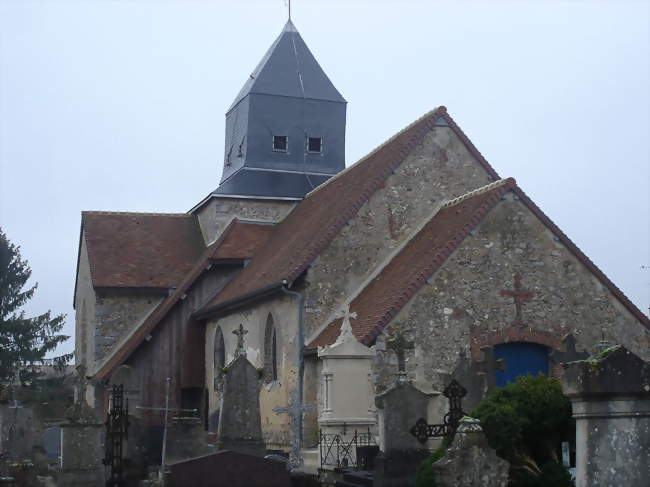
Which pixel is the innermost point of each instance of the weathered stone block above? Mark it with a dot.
(610, 396)
(470, 462)
(240, 426)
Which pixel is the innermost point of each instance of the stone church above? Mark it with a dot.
(418, 263)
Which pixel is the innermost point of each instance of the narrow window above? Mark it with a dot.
(219, 358)
(315, 145)
(280, 143)
(270, 351)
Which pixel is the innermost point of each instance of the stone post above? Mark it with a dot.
(610, 396)
(82, 449)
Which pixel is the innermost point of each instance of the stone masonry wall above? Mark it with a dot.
(84, 310)
(218, 212)
(116, 315)
(275, 427)
(462, 310)
(438, 169)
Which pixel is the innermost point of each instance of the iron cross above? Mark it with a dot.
(520, 296)
(240, 332)
(295, 409)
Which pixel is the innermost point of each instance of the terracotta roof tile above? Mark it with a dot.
(381, 300)
(312, 225)
(140, 249)
(240, 240)
(398, 282)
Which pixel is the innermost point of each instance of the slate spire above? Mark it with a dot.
(285, 131)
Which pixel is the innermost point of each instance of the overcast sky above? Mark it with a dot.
(119, 105)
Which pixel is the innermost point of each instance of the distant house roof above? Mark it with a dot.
(383, 298)
(240, 240)
(140, 250)
(311, 226)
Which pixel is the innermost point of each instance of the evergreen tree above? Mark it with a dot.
(24, 342)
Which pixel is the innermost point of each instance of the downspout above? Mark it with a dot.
(301, 354)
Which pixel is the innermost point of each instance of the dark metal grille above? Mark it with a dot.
(339, 452)
(117, 426)
(423, 431)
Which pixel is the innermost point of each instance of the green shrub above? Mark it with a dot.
(525, 422)
(424, 475)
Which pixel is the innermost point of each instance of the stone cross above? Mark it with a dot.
(295, 409)
(398, 344)
(520, 296)
(346, 327)
(240, 332)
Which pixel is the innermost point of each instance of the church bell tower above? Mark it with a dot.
(285, 131)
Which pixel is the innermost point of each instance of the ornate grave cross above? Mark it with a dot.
(240, 332)
(423, 431)
(398, 344)
(570, 354)
(295, 409)
(520, 296)
(346, 326)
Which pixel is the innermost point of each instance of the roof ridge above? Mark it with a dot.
(439, 110)
(483, 189)
(134, 213)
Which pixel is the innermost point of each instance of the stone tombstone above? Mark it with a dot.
(16, 431)
(240, 424)
(52, 442)
(470, 461)
(347, 395)
(399, 408)
(610, 398)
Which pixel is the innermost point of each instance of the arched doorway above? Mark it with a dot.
(519, 358)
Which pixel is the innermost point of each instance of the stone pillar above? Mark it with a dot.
(82, 445)
(81, 454)
(610, 396)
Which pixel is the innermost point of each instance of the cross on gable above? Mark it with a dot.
(520, 296)
(240, 332)
(398, 344)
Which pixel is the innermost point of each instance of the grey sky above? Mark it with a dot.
(119, 105)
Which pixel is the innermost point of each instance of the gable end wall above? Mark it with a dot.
(438, 169)
(463, 311)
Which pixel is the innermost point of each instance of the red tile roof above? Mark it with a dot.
(143, 250)
(398, 282)
(240, 240)
(381, 300)
(312, 225)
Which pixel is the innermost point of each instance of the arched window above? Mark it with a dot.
(219, 358)
(270, 351)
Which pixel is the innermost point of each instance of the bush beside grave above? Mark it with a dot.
(525, 422)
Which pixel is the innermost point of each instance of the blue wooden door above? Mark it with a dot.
(520, 358)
